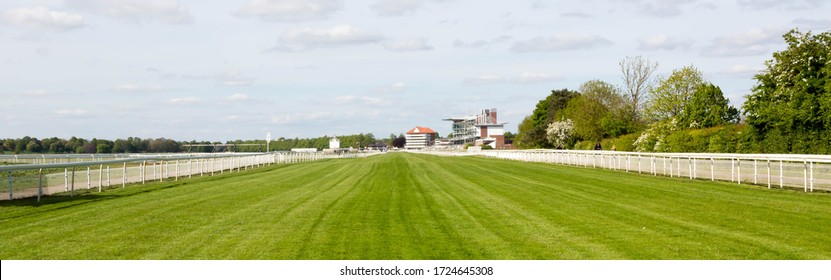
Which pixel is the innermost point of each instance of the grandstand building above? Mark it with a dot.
(420, 138)
(478, 130)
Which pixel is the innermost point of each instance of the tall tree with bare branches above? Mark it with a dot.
(637, 81)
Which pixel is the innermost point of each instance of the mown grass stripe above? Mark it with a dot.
(406, 206)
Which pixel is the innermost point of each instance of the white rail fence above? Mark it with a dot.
(32, 178)
(808, 172)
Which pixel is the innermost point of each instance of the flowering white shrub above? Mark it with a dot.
(558, 133)
(654, 138)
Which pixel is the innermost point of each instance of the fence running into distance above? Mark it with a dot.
(38, 175)
(808, 172)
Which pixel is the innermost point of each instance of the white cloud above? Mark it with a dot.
(137, 88)
(72, 112)
(812, 24)
(363, 100)
(237, 97)
(481, 43)
(483, 80)
(665, 8)
(396, 7)
(561, 43)
(372, 101)
(530, 78)
(183, 101)
(168, 11)
(753, 42)
(43, 18)
(742, 70)
(524, 78)
(779, 4)
(576, 15)
(394, 88)
(337, 36)
(408, 45)
(36, 93)
(662, 42)
(290, 118)
(230, 78)
(236, 83)
(345, 99)
(289, 10)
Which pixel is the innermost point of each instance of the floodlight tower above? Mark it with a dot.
(267, 140)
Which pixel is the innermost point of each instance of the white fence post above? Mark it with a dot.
(11, 191)
(671, 174)
(124, 176)
(755, 172)
(639, 164)
(805, 175)
(678, 160)
(768, 173)
(739, 167)
(781, 176)
(100, 176)
(712, 169)
(690, 167)
(40, 183)
(695, 168)
(812, 176)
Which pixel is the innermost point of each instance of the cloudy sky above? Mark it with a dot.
(224, 70)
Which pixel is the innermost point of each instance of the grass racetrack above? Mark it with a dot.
(408, 206)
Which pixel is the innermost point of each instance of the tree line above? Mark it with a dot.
(56, 145)
(788, 111)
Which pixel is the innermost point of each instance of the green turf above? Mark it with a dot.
(406, 206)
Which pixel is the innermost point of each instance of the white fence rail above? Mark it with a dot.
(32, 177)
(808, 172)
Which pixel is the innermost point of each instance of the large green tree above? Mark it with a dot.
(670, 98)
(708, 108)
(598, 112)
(791, 102)
(532, 129)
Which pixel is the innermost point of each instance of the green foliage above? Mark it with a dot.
(399, 142)
(532, 129)
(670, 98)
(790, 107)
(654, 139)
(624, 143)
(587, 114)
(707, 108)
(104, 148)
(33, 146)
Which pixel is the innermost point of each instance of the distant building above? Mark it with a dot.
(420, 138)
(377, 146)
(334, 143)
(481, 129)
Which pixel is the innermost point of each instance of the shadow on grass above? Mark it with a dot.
(52, 203)
(83, 196)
